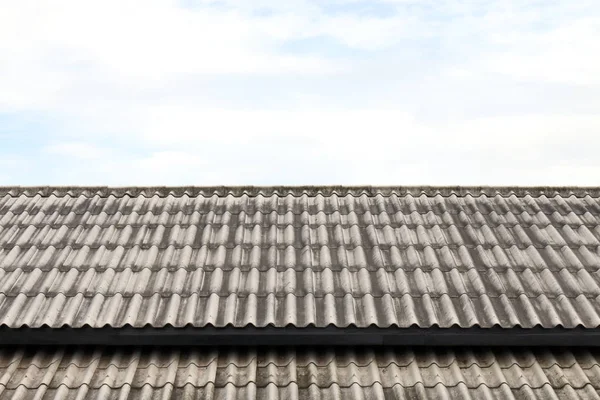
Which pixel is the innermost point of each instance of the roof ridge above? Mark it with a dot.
(310, 190)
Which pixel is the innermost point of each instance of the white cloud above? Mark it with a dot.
(568, 53)
(347, 147)
(357, 128)
(158, 93)
(78, 150)
(54, 54)
(48, 49)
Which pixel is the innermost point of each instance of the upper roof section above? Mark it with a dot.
(301, 256)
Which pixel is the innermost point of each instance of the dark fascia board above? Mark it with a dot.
(292, 336)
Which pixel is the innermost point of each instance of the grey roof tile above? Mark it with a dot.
(66, 373)
(300, 256)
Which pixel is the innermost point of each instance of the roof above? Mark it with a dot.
(66, 373)
(303, 256)
(148, 269)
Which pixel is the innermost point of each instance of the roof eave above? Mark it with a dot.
(295, 336)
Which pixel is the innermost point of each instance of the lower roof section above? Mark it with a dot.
(294, 336)
(167, 373)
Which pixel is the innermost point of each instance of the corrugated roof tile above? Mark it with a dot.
(466, 256)
(344, 374)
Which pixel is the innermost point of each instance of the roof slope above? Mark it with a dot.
(300, 256)
(170, 374)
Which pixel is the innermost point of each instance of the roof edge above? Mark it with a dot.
(294, 336)
(296, 191)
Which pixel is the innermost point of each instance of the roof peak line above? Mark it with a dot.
(300, 190)
(297, 191)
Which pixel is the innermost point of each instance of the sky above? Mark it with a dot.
(298, 92)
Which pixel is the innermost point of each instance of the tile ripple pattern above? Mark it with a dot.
(67, 373)
(188, 257)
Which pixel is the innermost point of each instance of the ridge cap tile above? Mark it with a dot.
(299, 190)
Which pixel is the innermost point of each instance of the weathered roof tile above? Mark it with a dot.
(343, 256)
(66, 373)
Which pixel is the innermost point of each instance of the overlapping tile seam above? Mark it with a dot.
(291, 325)
(506, 360)
(303, 190)
(293, 384)
(299, 226)
(237, 295)
(406, 205)
(539, 371)
(319, 283)
(274, 255)
(148, 282)
(312, 218)
(230, 236)
(148, 225)
(283, 226)
(340, 269)
(442, 212)
(417, 378)
(273, 392)
(176, 311)
(76, 242)
(134, 362)
(132, 222)
(282, 327)
(287, 234)
(314, 246)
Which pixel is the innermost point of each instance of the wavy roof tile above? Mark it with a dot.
(300, 256)
(64, 373)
